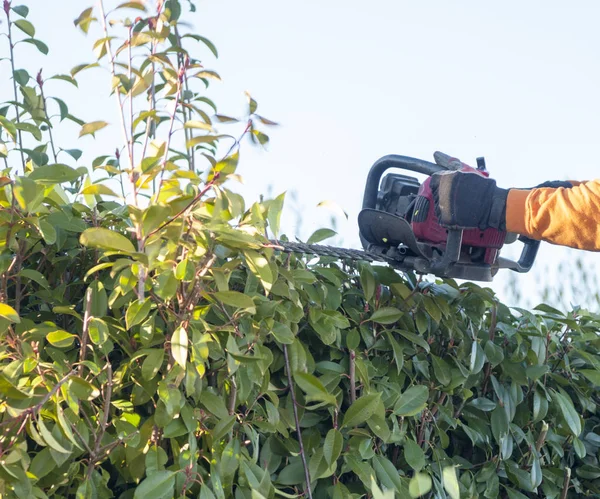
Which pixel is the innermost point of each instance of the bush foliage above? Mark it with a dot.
(156, 344)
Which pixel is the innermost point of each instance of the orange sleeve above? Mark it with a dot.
(563, 216)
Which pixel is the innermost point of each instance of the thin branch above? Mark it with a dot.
(86, 327)
(232, 396)
(120, 103)
(12, 65)
(567, 481)
(297, 420)
(352, 373)
(40, 82)
(168, 143)
(190, 205)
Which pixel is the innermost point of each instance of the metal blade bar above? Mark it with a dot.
(340, 253)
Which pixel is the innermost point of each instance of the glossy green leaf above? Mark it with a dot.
(92, 127)
(179, 346)
(419, 485)
(98, 237)
(61, 339)
(320, 235)
(361, 410)
(412, 401)
(386, 315)
(451, 482)
(137, 312)
(158, 485)
(314, 389)
(414, 455)
(9, 313)
(25, 26)
(332, 447)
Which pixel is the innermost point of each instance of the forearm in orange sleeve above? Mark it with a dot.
(564, 216)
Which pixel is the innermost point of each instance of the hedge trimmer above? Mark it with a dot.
(398, 226)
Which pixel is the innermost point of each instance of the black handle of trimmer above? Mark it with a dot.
(381, 166)
(527, 258)
(393, 161)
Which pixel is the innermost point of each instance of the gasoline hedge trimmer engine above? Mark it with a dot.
(398, 225)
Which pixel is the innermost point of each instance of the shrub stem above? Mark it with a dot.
(298, 431)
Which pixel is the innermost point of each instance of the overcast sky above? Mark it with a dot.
(351, 81)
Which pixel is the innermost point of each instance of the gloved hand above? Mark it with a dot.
(467, 200)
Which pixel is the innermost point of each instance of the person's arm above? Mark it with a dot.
(564, 216)
(559, 212)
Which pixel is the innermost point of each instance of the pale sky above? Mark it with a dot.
(349, 81)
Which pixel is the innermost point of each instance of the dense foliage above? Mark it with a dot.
(155, 344)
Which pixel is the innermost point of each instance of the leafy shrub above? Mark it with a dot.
(156, 343)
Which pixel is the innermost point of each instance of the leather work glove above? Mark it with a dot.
(466, 200)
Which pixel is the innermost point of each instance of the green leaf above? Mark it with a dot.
(179, 346)
(66, 78)
(132, 5)
(92, 127)
(202, 139)
(55, 174)
(236, 299)
(97, 190)
(30, 128)
(361, 410)
(386, 315)
(282, 333)
(41, 46)
(320, 235)
(21, 10)
(259, 266)
(25, 26)
(214, 404)
(332, 448)
(98, 331)
(152, 363)
(500, 422)
(419, 485)
(412, 401)
(451, 482)
(21, 77)
(137, 312)
(274, 214)
(414, 455)
(99, 237)
(198, 124)
(314, 389)
(398, 352)
(567, 409)
(35, 276)
(592, 375)
(9, 313)
(83, 389)
(61, 339)
(9, 126)
(441, 369)
(477, 358)
(159, 485)
(49, 439)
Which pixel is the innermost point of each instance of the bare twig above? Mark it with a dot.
(232, 396)
(191, 204)
(567, 481)
(40, 83)
(352, 375)
(86, 328)
(297, 420)
(117, 95)
(491, 336)
(12, 66)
